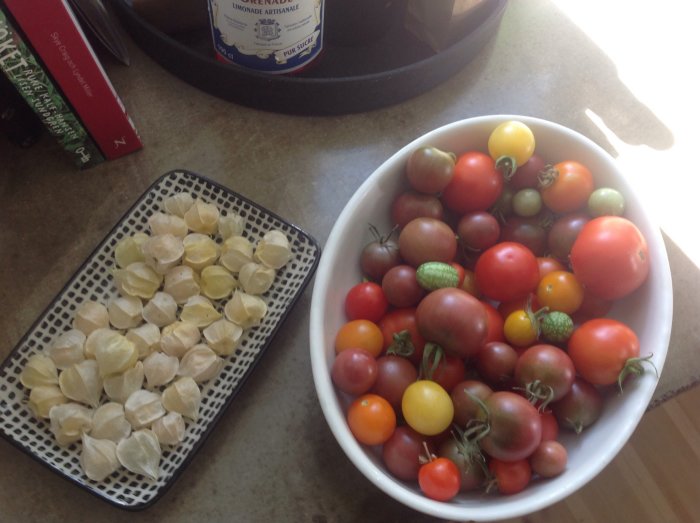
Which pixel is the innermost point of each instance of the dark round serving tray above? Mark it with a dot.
(345, 79)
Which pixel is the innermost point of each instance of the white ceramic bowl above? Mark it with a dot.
(648, 311)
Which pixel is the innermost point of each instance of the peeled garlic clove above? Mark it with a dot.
(146, 338)
(90, 316)
(143, 407)
(98, 457)
(202, 217)
(40, 370)
(255, 278)
(223, 336)
(199, 311)
(200, 363)
(160, 369)
(216, 282)
(43, 398)
(236, 251)
(181, 283)
(138, 279)
(82, 382)
(273, 250)
(115, 354)
(200, 251)
(163, 251)
(177, 337)
(125, 312)
(183, 396)
(163, 223)
(67, 349)
(140, 453)
(120, 386)
(68, 421)
(245, 309)
(170, 429)
(160, 310)
(178, 204)
(109, 422)
(128, 249)
(231, 225)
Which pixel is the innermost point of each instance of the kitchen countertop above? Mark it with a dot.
(272, 456)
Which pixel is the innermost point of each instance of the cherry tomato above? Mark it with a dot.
(475, 185)
(507, 271)
(402, 451)
(410, 205)
(461, 273)
(506, 307)
(513, 139)
(527, 174)
(560, 291)
(360, 334)
(549, 459)
(520, 328)
(449, 372)
(430, 169)
(550, 425)
(601, 349)
(439, 479)
(454, 319)
(548, 264)
(366, 301)
(427, 407)
(568, 187)
(580, 408)
(610, 257)
(511, 476)
(496, 362)
(528, 231)
(371, 419)
(394, 375)
(379, 255)
(548, 368)
(354, 371)
(563, 233)
(427, 239)
(606, 201)
(401, 287)
(478, 230)
(472, 474)
(400, 332)
(462, 394)
(592, 307)
(469, 283)
(495, 323)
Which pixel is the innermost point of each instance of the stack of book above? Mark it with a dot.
(47, 57)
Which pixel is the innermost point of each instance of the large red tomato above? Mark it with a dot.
(475, 185)
(454, 319)
(507, 272)
(610, 257)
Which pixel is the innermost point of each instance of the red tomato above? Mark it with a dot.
(548, 264)
(507, 271)
(601, 348)
(402, 322)
(366, 301)
(495, 323)
(511, 476)
(610, 257)
(475, 186)
(550, 425)
(439, 479)
(449, 372)
(571, 185)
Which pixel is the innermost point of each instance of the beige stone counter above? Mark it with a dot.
(272, 457)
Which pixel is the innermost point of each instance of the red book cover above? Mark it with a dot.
(56, 36)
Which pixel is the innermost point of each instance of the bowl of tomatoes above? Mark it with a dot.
(490, 318)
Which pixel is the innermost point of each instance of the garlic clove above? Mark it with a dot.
(178, 204)
(82, 382)
(90, 316)
(98, 457)
(160, 310)
(120, 386)
(43, 398)
(143, 407)
(170, 429)
(145, 337)
(255, 278)
(216, 282)
(125, 312)
(160, 369)
(199, 311)
(245, 309)
(183, 396)
(109, 422)
(223, 336)
(202, 217)
(200, 363)
(140, 453)
(39, 370)
(273, 250)
(236, 251)
(67, 349)
(68, 421)
(177, 337)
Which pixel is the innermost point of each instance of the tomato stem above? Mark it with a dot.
(547, 176)
(507, 166)
(433, 355)
(402, 344)
(635, 367)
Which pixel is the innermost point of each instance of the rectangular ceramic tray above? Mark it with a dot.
(93, 281)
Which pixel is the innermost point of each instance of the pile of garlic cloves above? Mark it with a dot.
(126, 379)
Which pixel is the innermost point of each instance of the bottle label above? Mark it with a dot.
(275, 36)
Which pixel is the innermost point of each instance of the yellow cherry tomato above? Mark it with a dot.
(520, 328)
(427, 407)
(513, 139)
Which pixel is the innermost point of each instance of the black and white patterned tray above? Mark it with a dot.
(93, 281)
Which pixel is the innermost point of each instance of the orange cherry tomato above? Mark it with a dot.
(568, 187)
(560, 291)
(360, 334)
(371, 419)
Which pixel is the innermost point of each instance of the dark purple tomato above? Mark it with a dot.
(430, 169)
(427, 239)
(549, 459)
(394, 374)
(400, 286)
(354, 371)
(473, 475)
(466, 407)
(580, 408)
(478, 230)
(378, 256)
(548, 369)
(527, 174)
(496, 362)
(401, 452)
(410, 205)
(527, 231)
(454, 319)
(563, 234)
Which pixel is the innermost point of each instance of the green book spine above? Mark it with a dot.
(19, 63)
